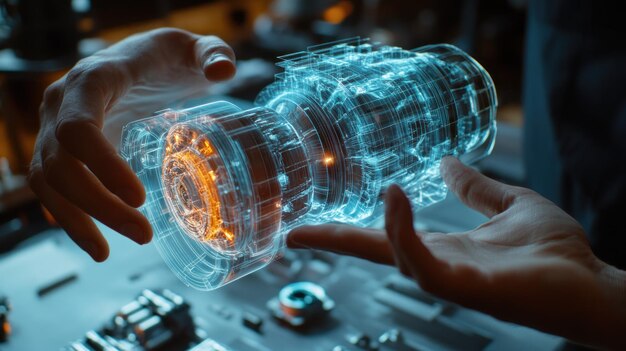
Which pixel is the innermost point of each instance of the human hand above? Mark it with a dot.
(76, 171)
(529, 264)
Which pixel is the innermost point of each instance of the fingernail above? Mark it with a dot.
(446, 160)
(218, 57)
(134, 232)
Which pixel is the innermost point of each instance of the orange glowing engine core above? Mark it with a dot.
(190, 181)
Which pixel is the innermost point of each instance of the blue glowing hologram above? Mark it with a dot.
(340, 124)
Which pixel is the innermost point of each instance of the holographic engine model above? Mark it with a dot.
(340, 124)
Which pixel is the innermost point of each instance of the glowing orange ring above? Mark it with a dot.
(190, 188)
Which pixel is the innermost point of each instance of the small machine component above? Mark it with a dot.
(362, 341)
(337, 127)
(152, 321)
(98, 342)
(252, 321)
(392, 336)
(5, 326)
(394, 339)
(301, 303)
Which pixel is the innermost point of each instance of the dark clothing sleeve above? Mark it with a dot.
(575, 115)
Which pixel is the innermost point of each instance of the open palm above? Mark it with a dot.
(530, 263)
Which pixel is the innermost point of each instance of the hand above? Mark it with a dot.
(529, 264)
(76, 172)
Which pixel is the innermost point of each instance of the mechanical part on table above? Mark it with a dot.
(301, 303)
(340, 124)
(155, 320)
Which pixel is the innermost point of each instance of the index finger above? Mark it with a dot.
(369, 244)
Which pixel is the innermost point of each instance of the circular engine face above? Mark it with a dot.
(190, 183)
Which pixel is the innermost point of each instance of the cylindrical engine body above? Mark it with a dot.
(340, 124)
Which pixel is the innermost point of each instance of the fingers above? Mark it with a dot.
(78, 130)
(412, 256)
(215, 58)
(77, 224)
(88, 90)
(368, 244)
(87, 143)
(461, 283)
(77, 185)
(109, 188)
(476, 190)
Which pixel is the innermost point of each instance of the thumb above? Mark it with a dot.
(215, 58)
(476, 190)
